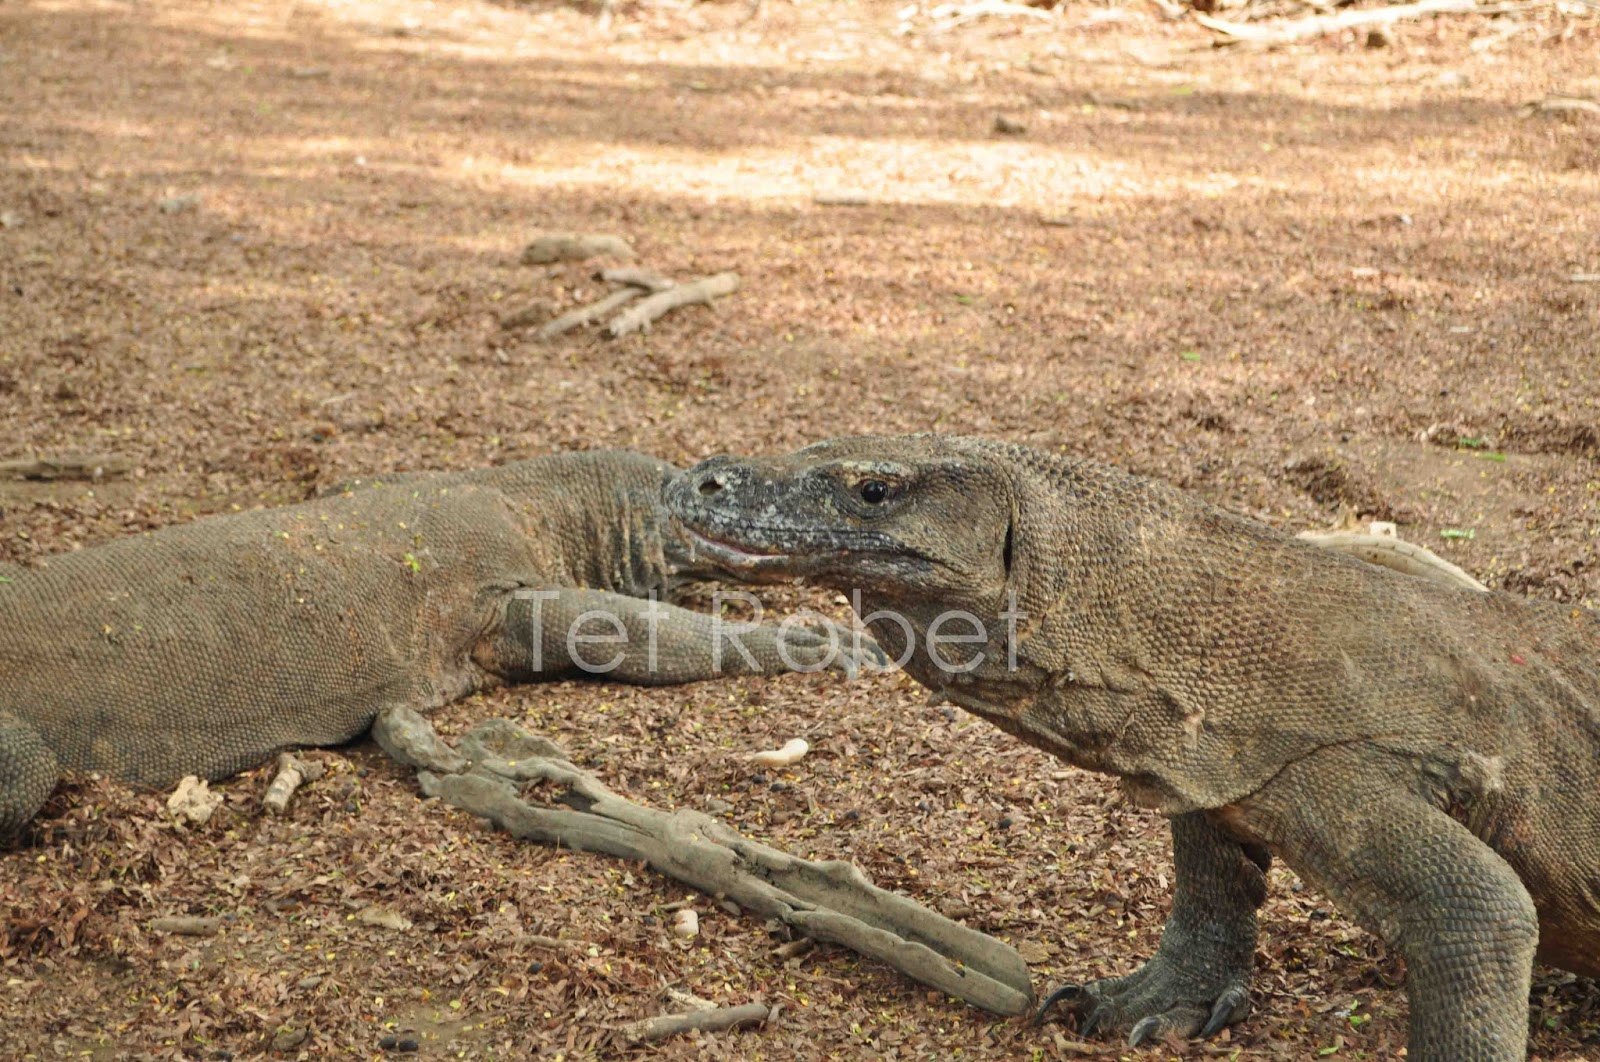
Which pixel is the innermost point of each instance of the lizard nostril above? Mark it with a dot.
(710, 485)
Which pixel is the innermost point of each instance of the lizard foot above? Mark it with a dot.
(1158, 1001)
(825, 644)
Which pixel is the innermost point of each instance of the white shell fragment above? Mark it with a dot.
(793, 751)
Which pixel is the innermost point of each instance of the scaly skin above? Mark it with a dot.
(205, 648)
(1425, 753)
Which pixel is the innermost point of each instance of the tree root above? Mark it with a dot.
(828, 901)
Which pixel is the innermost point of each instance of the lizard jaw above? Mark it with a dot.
(739, 559)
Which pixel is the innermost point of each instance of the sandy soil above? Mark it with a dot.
(260, 247)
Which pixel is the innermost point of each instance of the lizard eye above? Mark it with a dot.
(873, 491)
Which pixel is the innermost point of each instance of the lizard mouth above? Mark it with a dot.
(740, 558)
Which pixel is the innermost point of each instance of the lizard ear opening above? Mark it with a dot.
(1007, 551)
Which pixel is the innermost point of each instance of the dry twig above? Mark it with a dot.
(828, 901)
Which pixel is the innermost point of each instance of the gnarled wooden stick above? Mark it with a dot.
(830, 901)
(702, 290)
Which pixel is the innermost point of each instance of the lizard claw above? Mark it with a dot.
(1230, 1007)
(1144, 1029)
(1065, 992)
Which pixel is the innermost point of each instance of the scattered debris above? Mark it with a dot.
(1007, 126)
(10, 219)
(185, 925)
(720, 1019)
(292, 773)
(307, 73)
(793, 751)
(193, 801)
(179, 204)
(574, 247)
(1585, 278)
(66, 466)
(830, 901)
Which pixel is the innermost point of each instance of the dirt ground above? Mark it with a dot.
(261, 247)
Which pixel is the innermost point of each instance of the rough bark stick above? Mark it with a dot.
(719, 1020)
(1317, 25)
(586, 314)
(831, 901)
(292, 772)
(702, 290)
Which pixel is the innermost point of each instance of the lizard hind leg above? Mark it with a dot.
(28, 773)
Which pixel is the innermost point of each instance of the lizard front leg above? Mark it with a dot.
(563, 631)
(1199, 979)
(28, 772)
(1451, 905)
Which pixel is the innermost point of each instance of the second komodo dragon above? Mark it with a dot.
(206, 647)
(1426, 754)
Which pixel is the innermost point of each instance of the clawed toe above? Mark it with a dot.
(1065, 992)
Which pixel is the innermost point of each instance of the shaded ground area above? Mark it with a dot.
(1297, 282)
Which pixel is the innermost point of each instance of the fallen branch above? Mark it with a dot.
(719, 1019)
(588, 314)
(827, 901)
(1317, 25)
(66, 466)
(703, 290)
(292, 773)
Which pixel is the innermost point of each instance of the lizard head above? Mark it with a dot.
(904, 519)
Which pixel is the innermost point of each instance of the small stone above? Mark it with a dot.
(1008, 126)
(1380, 37)
(10, 219)
(686, 923)
(289, 1039)
(178, 204)
(408, 1045)
(388, 1042)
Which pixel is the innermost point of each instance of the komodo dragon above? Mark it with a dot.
(206, 647)
(1425, 754)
